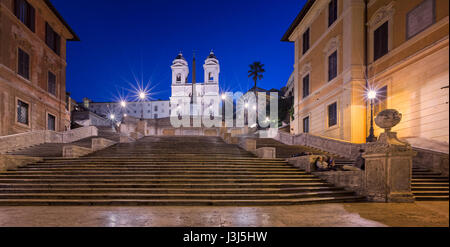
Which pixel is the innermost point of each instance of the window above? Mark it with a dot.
(332, 12)
(381, 101)
(306, 86)
(51, 122)
(306, 125)
(24, 64)
(306, 41)
(178, 78)
(22, 112)
(52, 39)
(155, 116)
(156, 108)
(51, 83)
(332, 66)
(211, 78)
(25, 12)
(332, 114)
(380, 41)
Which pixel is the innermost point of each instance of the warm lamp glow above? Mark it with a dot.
(224, 96)
(372, 94)
(123, 103)
(246, 105)
(112, 116)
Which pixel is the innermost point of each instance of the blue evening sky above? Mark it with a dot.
(123, 42)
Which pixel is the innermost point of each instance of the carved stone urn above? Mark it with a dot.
(387, 119)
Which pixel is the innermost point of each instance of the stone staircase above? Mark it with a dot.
(429, 186)
(56, 149)
(189, 170)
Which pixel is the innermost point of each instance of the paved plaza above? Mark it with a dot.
(418, 214)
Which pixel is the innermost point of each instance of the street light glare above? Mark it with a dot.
(224, 96)
(142, 95)
(112, 116)
(372, 94)
(246, 105)
(123, 103)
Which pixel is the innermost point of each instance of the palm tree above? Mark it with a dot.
(255, 72)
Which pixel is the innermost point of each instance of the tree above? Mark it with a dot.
(256, 72)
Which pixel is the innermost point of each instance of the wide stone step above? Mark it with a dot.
(414, 176)
(147, 180)
(160, 158)
(428, 184)
(75, 189)
(178, 202)
(93, 185)
(160, 173)
(436, 188)
(430, 193)
(139, 196)
(160, 169)
(430, 180)
(431, 198)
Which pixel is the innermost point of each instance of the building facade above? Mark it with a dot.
(344, 48)
(200, 99)
(146, 109)
(33, 38)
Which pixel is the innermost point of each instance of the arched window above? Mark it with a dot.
(178, 78)
(210, 76)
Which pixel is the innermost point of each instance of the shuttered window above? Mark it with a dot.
(306, 41)
(305, 86)
(52, 39)
(332, 12)
(22, 112)
(51, 83)
(306, 125)
(23, 64)
(332, 66)
(51, 122)
(25, 13)
(380, 41)
(332, 114)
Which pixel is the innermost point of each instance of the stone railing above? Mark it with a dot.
(17, 141)
(342, 148)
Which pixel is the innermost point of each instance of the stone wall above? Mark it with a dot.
(350, 180)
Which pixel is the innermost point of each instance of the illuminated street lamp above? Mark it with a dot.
(224, 97)
(371, 95)
(112, 116)
(142, 95)
(123, 103)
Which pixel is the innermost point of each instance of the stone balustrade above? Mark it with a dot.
(17, 141)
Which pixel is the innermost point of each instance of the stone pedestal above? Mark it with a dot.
(266, 153)
(250, 145)
(142, 127)
(388, 170)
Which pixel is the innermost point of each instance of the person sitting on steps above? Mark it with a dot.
(360, 161)
(320, 164)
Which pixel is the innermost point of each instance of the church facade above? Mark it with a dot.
(195, 98)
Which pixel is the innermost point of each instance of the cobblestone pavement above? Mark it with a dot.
(420, 214)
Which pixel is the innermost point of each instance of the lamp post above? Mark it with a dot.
(224, 97)
(142, 97)
(371, 95)
(123, 104)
